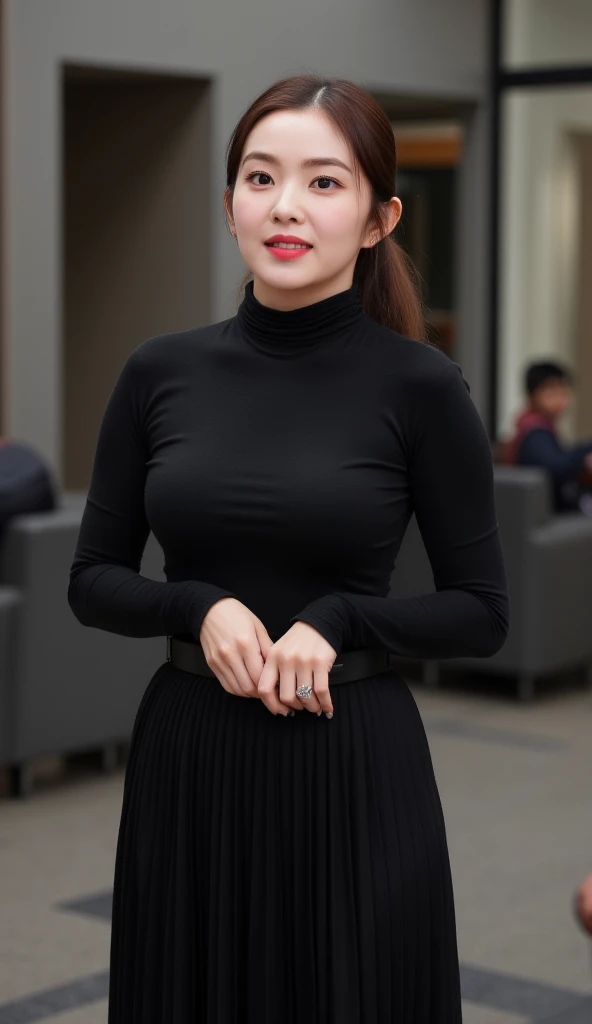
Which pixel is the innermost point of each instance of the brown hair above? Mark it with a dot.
(387, 281)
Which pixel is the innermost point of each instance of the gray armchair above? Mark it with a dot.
(63, 687)
(549, 566)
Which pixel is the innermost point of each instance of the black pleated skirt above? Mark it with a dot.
(275, 870)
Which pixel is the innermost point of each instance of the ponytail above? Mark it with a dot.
(390, 290)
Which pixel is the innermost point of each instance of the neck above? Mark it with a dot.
(287, 299)
(289, 332)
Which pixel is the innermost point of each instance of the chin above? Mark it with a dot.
(285, 278)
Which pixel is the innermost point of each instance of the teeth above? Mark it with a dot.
(288, 245)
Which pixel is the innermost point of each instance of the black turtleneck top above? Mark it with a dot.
(277, 456)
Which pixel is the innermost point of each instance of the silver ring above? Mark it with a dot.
(304, 692)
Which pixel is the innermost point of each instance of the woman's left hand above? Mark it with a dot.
(301, 657)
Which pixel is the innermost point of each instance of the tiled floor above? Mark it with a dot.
(516, 785)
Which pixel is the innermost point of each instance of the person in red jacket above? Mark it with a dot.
(536, 441)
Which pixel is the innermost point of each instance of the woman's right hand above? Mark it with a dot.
(235, 643)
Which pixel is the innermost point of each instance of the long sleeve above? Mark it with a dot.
(541, 448)
(452, 493)
(106, 589)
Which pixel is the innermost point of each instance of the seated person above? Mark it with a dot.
(536, 441)
(26, 483)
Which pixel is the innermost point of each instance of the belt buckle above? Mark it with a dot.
(169, 648)
(335, 666)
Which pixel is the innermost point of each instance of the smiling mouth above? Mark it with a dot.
(286, 245)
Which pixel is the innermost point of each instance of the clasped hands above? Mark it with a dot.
(248, 663)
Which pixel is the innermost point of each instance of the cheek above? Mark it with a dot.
(336, 222)
(247, 214)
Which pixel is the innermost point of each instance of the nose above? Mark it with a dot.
(280, 213)
(286, 206)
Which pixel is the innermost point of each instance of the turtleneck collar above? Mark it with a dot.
(288, 332)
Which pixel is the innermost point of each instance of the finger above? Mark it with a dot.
(267, 689)
(254, 664)
(323, 693)
(287, 686)
(235, 676)
(304, 677)
(247, 685)
(263, 637)
(224, 679)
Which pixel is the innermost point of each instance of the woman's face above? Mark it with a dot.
(320, 203)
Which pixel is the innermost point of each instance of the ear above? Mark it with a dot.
(393, 211)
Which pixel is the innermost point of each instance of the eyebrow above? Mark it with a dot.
(317, 161)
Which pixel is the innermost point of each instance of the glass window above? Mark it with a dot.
(546, 244)
(546, 33)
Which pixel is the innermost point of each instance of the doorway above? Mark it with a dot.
(137, 234)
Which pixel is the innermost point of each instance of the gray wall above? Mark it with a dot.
(404, 47)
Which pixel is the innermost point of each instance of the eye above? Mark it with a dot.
(254, 174)
(324, 177)
(321, 177)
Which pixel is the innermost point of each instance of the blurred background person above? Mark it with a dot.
(536, 440)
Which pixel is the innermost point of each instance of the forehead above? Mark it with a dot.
(555, 384)
(297, 134)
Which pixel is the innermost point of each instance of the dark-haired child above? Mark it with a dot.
(536, 442)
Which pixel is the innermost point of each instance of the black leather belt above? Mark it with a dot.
(347, 667)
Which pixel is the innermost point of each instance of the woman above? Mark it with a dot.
(295, 874)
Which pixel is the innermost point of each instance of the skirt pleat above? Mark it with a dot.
(276, 870)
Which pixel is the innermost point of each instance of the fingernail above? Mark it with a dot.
(329, 714)
(292, 712)
(319, 713)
